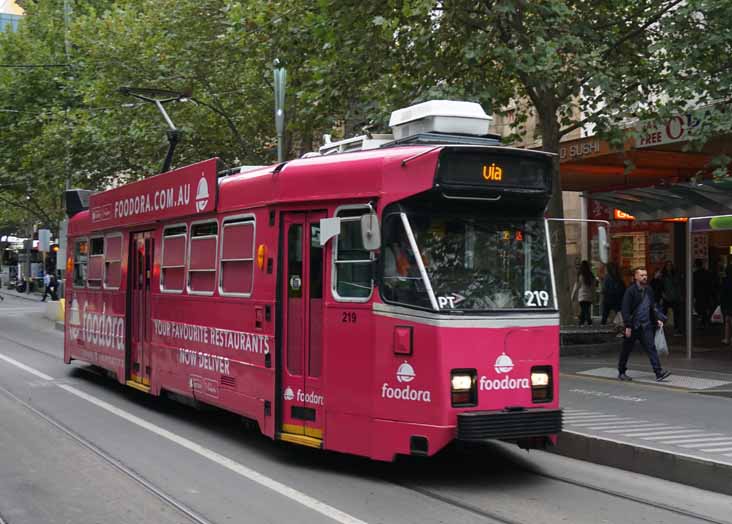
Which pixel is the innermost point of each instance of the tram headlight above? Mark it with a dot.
(542, 389)
(539, 379)
(463, 387)
(461, 382)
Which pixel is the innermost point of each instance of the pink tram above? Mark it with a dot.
(376, 302)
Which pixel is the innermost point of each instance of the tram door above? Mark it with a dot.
(302, 322)
(140, 269)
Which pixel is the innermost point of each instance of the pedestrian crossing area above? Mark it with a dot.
(686, 439)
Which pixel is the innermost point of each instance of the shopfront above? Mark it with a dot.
(648, 191)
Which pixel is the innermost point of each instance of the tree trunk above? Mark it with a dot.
(550, 143)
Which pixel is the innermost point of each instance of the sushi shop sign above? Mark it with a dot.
(186, 191)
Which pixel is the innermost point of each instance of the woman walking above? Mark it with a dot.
(671, 289)
(584, 290)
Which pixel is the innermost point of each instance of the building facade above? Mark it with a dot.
(10, 15)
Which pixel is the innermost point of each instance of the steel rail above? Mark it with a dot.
(470, 508)
(168, 499)
(625, 496)
(505, 520)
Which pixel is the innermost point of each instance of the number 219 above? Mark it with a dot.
(536, 298)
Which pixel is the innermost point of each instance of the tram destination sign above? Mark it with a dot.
(189, 190)
(494, 170)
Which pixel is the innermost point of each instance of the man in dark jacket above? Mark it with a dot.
(641, 318)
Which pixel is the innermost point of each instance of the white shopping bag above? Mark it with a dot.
(717, 316)
(619, 320)
(660, 342)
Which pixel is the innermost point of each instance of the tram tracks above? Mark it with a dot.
(473, 509)
(504, 519)
(624, 496)
(30, 348)
(465, 506)
(128, 472)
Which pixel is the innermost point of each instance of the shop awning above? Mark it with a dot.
(690, 199)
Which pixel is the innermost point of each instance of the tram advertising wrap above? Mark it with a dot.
(378, 302)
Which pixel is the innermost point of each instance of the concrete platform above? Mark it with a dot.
(679, 430)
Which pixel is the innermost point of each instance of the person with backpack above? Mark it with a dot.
(49, 283)
(54, 287)
(613, 289)
(46, 286)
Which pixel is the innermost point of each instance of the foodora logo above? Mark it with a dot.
(405, 373)
(503, 364)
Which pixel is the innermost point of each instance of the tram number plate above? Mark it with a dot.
(349, 317)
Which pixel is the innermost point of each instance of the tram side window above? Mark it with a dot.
(113, 261)
(173, 268)
(353, 264)
(237, 257)
(81, 253)
(96, 262)
(202, 258)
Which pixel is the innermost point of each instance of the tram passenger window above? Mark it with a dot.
(172, 269)
(81, 254)
(353, 263)
(237, 257)
(202, 258)
(112, 261)
(96, 262)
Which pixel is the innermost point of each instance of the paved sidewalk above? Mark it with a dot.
(679, 430)
(34, 295)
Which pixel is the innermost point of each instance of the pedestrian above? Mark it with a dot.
(584, 290)
(46, 286)
(704, 290)
(53, 286)
(725, 303)
(656, 286)
(671, 286)
(641, 318)
(613, 289)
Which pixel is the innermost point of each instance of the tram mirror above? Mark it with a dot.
(329, 227)
(602, 244)
(370, 232)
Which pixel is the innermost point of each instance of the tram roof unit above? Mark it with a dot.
(359, 174)
(397, 168)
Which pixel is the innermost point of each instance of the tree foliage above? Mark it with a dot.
(598, 63)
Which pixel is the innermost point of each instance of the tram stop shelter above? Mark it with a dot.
(662, 201)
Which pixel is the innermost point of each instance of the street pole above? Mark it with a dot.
(689, 289)
(67, 19)
(67, 48)
(280, 79)
(28, 248)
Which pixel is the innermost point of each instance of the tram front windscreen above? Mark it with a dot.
(472, 262)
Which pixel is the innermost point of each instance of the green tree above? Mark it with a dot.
(577, 63)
